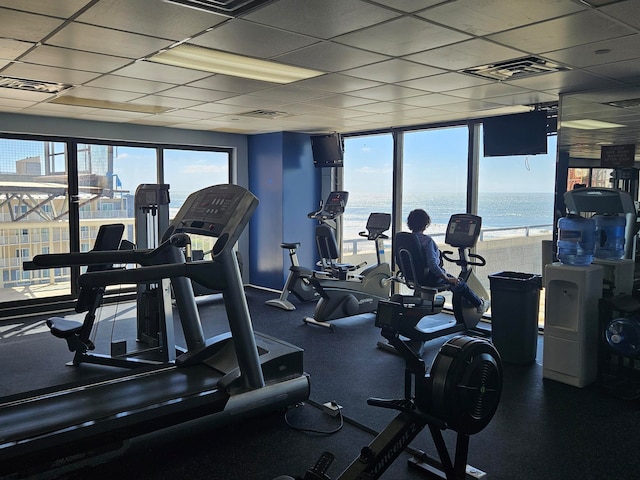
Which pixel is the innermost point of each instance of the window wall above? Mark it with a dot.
(368, 178)
(39, 177)
(515, 201)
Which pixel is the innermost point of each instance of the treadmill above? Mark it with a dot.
(232, 375)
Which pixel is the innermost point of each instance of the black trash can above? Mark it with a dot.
(515, 299)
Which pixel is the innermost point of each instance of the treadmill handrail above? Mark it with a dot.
(51, 260)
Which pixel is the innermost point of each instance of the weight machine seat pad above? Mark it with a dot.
(64, 328)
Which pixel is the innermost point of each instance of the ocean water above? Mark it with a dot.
(498, 210)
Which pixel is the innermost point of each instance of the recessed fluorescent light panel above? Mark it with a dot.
(215, 61)
(587, 124)
(94, 103)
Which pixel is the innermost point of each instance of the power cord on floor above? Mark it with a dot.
(333, 410)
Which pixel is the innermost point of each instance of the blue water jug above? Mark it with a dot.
(576, 240)
(609, 243)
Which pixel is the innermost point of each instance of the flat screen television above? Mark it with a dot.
(518, 134)
(327, 150)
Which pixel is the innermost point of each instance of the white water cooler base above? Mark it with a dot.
(570, 353)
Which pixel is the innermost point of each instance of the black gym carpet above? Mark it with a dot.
(542, 429)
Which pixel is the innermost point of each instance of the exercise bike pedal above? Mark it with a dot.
(319, 470)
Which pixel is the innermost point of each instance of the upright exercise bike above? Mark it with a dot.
(425, 302)
(297, 282)
(346, 295)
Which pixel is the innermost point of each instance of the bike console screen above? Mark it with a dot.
(336, 203)
(463, 230)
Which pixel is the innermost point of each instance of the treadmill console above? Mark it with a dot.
(336, 203)
(220, 211)
(463, 230)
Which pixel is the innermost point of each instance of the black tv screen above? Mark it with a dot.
(327, 150)
(518, 134)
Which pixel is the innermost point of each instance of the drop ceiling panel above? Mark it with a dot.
(149, 17)
(247, 38)
(629, 70)
(192, 93)
(324, 19)
(409, 6)
(563, 82)
(387, 93)
(11, 49)
(626, 12)
(89, 38)
(598, 53)
(337, 83)
(56, 9)
(444, 82)
(410, 35)
(577, 29)
(129, 84)
(26, 27)
(102, 94)
(75, 60)
(48, 74)
(225, 83)
(164, 73)
(471, 53)
(330, 57)
(394, 70)
(483, 17)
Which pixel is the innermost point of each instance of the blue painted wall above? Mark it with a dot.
(283, 177)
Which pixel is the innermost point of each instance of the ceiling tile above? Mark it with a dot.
(48, 74)
(444, 82)
(88, 38)
(607, 51)
(337, 83)
(325, 19)
(26, 27)
(129, 84)
(394, 70)
(246, 38)
(580, 28)
(483, 17)
(76, 60)
(12, 49)
(166, 73)
(56, 9)
(626, 12)
(408, 6)
(387, 93)
(628, 70)
(192, 93)
(225, 83)
(471, 53)
(330, 57)
(410, 35)
(149, 17)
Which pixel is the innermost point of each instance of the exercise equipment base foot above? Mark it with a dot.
(432, 468)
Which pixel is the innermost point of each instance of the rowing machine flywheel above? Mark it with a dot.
(466, 384)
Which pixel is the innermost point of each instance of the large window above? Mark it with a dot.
(35, 189)
(367, 177)
(515, 202)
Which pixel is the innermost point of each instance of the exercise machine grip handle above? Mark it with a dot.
(134, 275)
(85, 258)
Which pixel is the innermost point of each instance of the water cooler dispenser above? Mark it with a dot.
(571, 323)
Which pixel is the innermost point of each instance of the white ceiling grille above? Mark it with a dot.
(515, 69)
(629, 103)
(265, 114)
(32, 85)
(228, 8)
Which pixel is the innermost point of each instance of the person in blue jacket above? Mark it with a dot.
(418, 221)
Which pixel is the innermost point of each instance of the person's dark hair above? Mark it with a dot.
(418, 220)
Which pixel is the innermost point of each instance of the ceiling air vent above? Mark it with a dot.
(32, 85)
(228, 8)
(629, 103)
(265, 114)
(515, 69)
